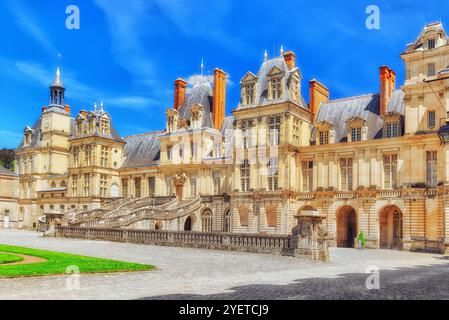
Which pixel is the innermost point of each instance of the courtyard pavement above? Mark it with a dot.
(185, 273)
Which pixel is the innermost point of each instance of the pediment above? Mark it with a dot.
(275, 71)
(249, 77)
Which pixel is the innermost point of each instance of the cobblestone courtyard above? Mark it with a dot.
(185, 273)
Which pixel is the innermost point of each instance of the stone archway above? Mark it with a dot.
(188, 224)
(390, 228)
(346, 227)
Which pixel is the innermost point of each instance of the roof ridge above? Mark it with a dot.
(353, 97)
(144, 134)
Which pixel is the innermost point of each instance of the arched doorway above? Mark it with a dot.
(390, 228)
(188, 224)
(346, 227)
(207, 221)
(158, 225)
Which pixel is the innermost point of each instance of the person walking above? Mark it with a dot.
(361, 240)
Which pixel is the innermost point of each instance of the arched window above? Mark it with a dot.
(207, 221)
(227, 221)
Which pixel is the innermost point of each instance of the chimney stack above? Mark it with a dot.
(290, 59)
(67, 108)
(83, 113)
(318, 93)
(180, 93)
(219, 107)
(387, 87)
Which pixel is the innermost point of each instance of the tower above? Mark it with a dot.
(57, 91)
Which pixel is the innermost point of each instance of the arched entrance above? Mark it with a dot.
(390, 228)
(188, 224)
(346, 227)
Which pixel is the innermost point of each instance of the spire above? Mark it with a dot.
(202, 68)
(265, 56)
(101, 105)
(95, 107)
(282, 51)
(57, 90)
(57, 82)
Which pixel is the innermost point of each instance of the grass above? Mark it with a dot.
(57, 264)
(9, 258)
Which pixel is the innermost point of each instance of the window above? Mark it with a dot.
(138, 187)
(76, 156)
(193, 184)
(390, 171)
(88, 155)
(245, 175)
(346, 174)
(276, 88)
(227, 222)
(392, 130)
(169, 186)
(431, 169)
(103, 185)
(356, 134)
(431, 43)
(104, 157)
(307, 176)
(217, 183)
(104, 126)
(74, 185)
(124, 188)
(86, 185)
(324, 137)
(248, 135)
(431, 119)
(275, 130)
(152, 185)
(169, 152)
(207, 221)
(273, 169)
(250, 96)
(296, 132)
(431, 69)
(296, 89)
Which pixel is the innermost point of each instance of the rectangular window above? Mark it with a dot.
(275, 130)
(390, 171)
(169, 152)
(346, 174)
(392, 130)
(431, 169)
(431, 69)
(104, 156)
(273, 169)
(193, 184)
(125, 188)
(74, 185)
(217, 183)
(76, 156)
(152, 185)
(86, 185)
(307, 176)
(324, 137)
(169, 186)
(356, 134)
(431, 43)
(249, 92)
(276, 88)
(103, 185)
(431, 120)
(138, 187)
(245, 175)
(296, 132)
(88, 155)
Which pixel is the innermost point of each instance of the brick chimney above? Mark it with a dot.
(318, 93)
(387, 87)
(67, 108)
(180, 93)
(219, 107)
(290, 59)
(83, 113)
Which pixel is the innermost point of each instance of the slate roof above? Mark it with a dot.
(262, 84)
(366, 107)
(142, 150)
(35, 135)
(201, 93)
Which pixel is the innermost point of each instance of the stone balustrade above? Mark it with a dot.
(268, 244)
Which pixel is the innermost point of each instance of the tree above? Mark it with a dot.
(7, 158)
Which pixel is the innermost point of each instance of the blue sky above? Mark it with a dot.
(128, 53)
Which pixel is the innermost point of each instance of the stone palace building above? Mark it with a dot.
(371, 163)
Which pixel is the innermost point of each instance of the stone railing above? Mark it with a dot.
(116, 204)
(306, 195)
(389, 194)
(269, 244)
(345, 195)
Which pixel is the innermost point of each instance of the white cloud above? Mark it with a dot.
(193, 79)
(24, 19)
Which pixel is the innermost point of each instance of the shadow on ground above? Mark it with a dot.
(422, 282)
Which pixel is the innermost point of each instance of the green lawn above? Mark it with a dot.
(9, 258)
(57, 263)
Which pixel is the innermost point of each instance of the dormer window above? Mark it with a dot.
(104, 126)
(172, 120)
(356, 134)
(431, 71)
(249, 89)
(325, 133)
(324, 137)
(196, 116)
(431, 43)
(275, 84)
(392, 130)
(79, 128)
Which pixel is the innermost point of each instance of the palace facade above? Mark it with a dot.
(371, 163)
